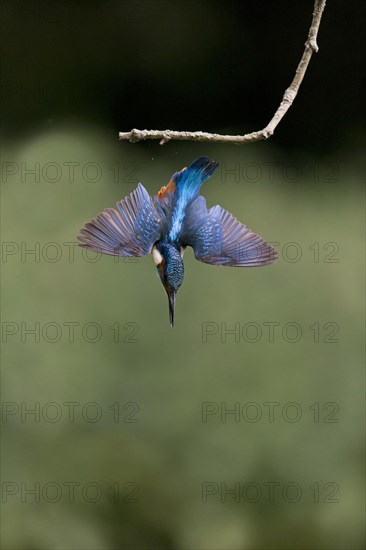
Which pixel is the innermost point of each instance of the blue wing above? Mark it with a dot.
(131, 231)
(220, 239)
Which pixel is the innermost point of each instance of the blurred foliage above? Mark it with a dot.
(170, 452)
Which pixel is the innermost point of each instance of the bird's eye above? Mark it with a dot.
(157, 257)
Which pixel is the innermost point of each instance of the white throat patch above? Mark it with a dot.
(157, 257)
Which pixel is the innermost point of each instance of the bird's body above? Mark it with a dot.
(177, 217)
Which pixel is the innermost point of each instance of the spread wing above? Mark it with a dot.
(218, 238)
(131, 231)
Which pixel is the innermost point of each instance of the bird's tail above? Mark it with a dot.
(189, 180)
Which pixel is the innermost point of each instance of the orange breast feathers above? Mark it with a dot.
(164, 190)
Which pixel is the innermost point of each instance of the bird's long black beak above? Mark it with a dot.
(171, 296)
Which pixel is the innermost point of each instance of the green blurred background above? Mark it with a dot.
(151, 457)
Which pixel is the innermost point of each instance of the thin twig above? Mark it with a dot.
(311, 46)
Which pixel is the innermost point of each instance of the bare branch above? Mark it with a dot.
(311, 46)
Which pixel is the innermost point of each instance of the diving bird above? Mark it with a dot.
(177, 217)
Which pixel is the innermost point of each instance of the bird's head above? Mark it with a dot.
(169, 265)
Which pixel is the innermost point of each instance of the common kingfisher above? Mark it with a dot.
(177, 217)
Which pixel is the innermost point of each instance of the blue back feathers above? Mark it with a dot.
(187, 183)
